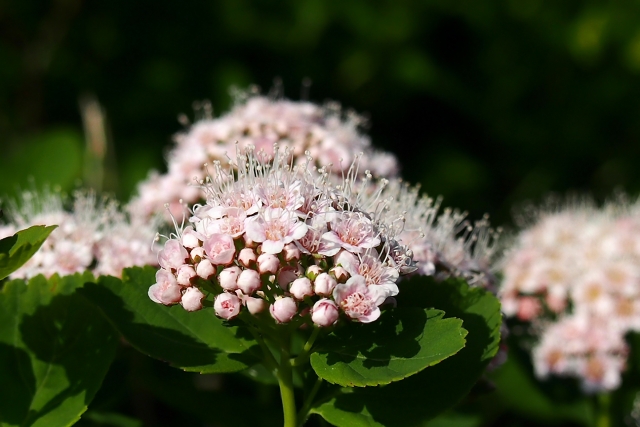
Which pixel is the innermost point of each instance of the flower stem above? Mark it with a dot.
(603, 419)
(269, 360)
(304, 411)
(285, 380)
(303, 357)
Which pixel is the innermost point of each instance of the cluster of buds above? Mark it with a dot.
(574, 275)
(329, 134)
(94, 235)
(285, 240)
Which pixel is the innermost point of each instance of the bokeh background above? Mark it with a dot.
(487, 103)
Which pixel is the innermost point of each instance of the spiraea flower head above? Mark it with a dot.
(306, 247)
(330, 135)
(573, 274)
(93, 234)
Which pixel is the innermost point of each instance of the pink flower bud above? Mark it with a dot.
(205, 269)
(248, 243)
(184, 274)
(255, 305)
(283, 309)
(301, 288)
(197, 254)
(249, 281)
(173, 255)
(227, 306)
(268, 263)
(313, 271)
(220, 249)
(324, 284)
(325, 313)
(166, 289)
(291, 252)
(229, 277)
(192, 299)
(190, 238)
(286, 275)
(340, 274)
(247, 257)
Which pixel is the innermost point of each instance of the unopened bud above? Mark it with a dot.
(248, 281)
(340, 274)
(268, 263)
(184, 275)
(255, 305)
(247, 257)
(291, 252)
(324, 313)
(197, 254)
(227, 305)
(205, 269)
(192, 299)
(228, 278)
(283, 309)
(190, 238)
(301, 288)
(313, 271)
(324, 284)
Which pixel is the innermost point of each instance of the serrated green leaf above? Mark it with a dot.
(402, 342)
(192, 341)
(438, 387)
(54, 351)
(18, 249)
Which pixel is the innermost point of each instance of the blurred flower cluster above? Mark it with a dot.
(574, 274)
(282, 238)
(93, 235)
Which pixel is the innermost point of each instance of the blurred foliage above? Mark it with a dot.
(487, 103)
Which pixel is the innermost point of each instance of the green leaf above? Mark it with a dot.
(193, 341)
(17, 249)
(54, 351)
(438, 387)
(400, 343)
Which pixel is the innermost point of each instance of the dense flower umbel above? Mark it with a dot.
(330, 135)
(94, 235)
(575, 275)
(283, 237)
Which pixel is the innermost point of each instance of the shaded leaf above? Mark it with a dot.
(54, 351)
(438, 387)
(400, 343)
(18, 249)
(193, 341)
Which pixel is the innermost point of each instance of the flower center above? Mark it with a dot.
(357, 304)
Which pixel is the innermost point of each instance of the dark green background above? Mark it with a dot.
(488, 103)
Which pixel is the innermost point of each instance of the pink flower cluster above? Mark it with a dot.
(95, 235)
(330, 135)
(281, 239)
(575, 276)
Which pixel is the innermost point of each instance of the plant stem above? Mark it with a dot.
(285, 380)
(602, 419)
(269, 360)
(304, 411)
(303, 357)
